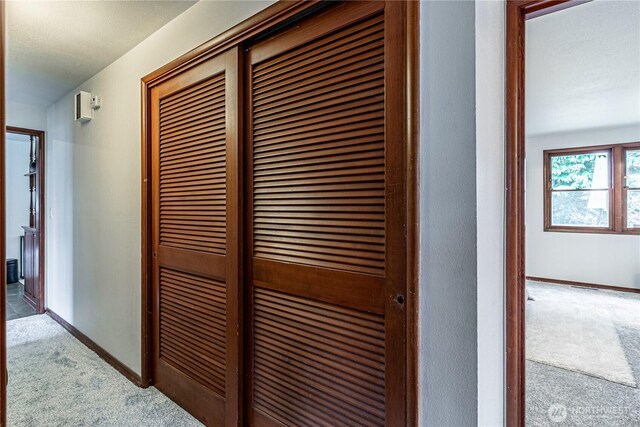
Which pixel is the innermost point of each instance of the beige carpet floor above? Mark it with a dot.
(576, 329)
(567, 379)
(54, 380)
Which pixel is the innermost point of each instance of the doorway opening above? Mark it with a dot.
(25, 235)
(572, 208)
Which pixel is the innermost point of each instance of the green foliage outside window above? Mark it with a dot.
(573, 172)
(579, 208)
(633, 169)
(633, 181)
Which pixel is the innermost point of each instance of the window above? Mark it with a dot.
(593, 189)
(632, 188)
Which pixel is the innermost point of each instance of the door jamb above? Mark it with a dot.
(3, 248)
(40, 213)
(517, 12)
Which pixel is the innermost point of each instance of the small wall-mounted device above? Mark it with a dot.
(96, 102)
(83, 106)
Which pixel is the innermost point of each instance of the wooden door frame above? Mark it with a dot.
(268, 20)
(3, 234)
(40, 213)
(517, 12)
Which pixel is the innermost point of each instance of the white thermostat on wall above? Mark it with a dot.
(96, 102)
(83, 106)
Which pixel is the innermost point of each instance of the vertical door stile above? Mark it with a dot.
(196, 208)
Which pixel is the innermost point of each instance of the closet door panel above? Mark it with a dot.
(195, 209)
(326, 223)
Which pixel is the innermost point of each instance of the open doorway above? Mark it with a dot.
(573, 244)
(24, 189)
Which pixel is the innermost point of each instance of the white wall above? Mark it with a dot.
(17, 191)
(26, 116)
(490, 62)
(606, 259)
(448, 340)
(93, 186)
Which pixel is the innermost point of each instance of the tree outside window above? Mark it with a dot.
(593, 189)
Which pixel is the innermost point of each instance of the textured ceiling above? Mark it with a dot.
(583, 67)
(54, 46)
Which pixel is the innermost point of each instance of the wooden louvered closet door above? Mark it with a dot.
(195, 239)
(326, 216)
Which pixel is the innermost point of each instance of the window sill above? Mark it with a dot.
(592, 230)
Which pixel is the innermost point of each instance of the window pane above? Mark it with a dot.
(580, 171)
(633, 168)
(633, 209)
(580, 208)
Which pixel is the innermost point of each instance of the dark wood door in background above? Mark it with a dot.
(326, 221)
(195, 239)
(32, 266)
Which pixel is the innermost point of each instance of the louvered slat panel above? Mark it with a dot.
(192, 174)
(316, 362)
(318, 152)
(193, 327)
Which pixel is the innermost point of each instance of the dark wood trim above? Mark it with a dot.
(146, 299)
(104, 355)
(616, 189)
(593, 148)
(583, 284)
(514, 180)
(618, 173)
(412, 91)
(591, 230)
(235, 272)
(39, 305)
(546, 7)
(247, 250)
(267, 21)
(517, 11)
(3, 243)
(24, 131)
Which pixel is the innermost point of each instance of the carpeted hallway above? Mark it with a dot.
(583, 357)
(54, 380)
